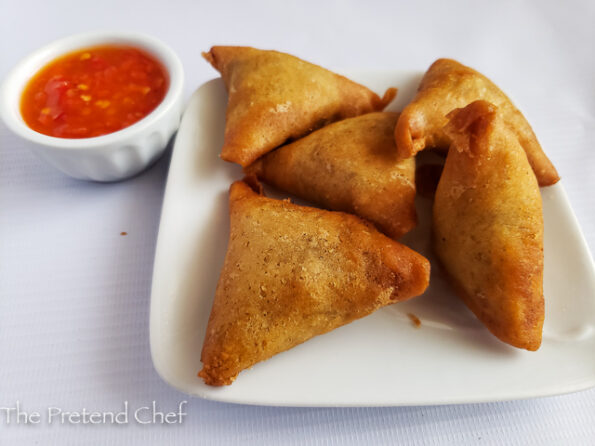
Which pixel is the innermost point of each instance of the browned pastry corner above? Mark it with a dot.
(349, 166)
(488, 225)
(294, 272)
(275, 97)
(448, 85)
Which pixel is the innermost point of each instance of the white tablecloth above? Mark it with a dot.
(74, 293)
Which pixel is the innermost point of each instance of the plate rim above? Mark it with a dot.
(207, 394)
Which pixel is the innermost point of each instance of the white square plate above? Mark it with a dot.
(380, 360)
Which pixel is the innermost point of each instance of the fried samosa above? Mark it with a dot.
(275, 97)
(488, 225)
(349, 166)
(294, 272)
(448, 85)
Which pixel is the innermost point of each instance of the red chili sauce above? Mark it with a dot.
(94, 91)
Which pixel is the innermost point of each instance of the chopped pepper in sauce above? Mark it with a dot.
(94, 91)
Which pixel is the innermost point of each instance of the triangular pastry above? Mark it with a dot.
(293, 272)
(488, 225)
(275, 97)
(448, 85)
(349, 166)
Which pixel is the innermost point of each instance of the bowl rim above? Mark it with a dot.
(14, 83)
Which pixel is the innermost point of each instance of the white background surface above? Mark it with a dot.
(74, 294)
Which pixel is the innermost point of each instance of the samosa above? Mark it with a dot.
(349, 166)
(488, 225)
(448, 85)
(293, 272)
(275, 97)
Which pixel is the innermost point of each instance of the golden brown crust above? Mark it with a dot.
(448, 85)
(293, 272)
(275, 97)
(488, 225)
(349, 166)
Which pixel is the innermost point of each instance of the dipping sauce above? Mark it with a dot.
(93, 91)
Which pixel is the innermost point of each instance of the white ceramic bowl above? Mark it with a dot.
(113, 156)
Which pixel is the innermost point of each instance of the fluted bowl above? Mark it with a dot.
(114, 156)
